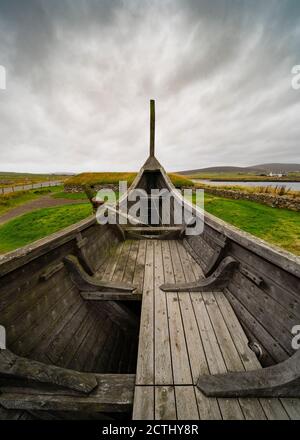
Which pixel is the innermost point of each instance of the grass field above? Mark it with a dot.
(278, 190)
(114, 178)
(37, 224)
(9, 179)
(12, 200)
(277, 226)
(242, 177)
(70, 196)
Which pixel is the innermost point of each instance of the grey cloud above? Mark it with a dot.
(81, 73)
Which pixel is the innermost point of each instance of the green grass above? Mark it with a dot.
(277, 226)
(243, 177)
(40, 223)
(278, 190)
(70, 196)
(10, 178)
(114, 178)
(14, 199)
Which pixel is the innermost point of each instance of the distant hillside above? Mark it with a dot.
(277, 167)
(261, 168)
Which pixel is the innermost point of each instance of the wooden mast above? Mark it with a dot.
(152, 127)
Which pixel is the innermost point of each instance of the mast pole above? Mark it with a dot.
(152, 127)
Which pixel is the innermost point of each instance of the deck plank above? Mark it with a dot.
(138, 277)
(230, 409)
(184, 335)
(187, 408)
(143, 407)
(180, 358)
(165, 406)
(162, 349)
(145, 362)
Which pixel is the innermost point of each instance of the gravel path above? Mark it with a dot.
(42, 202)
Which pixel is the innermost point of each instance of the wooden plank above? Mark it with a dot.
(165, 406)
(32, 303)
(196, 356)
(208, 407)
(28, 369)
(131, 262)
(104, 330)
(110, 296)
(145, 360)
(266, 319)
(114, 393)
(121, 263)
(69, 306)
(180, 357)
(104, 355)
(162, 358)
(80, 357)
(292, 407)
(230, 409)
(284, 316)
(138, 277)
(111, 264)
(261, 334)
(272, 407)
(186, 403)
(152, 228)
(143, 408)
(60, 343)
(31, 337)
(76, 341)
(251, 407)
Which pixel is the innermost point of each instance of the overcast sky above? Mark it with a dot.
(80, 74)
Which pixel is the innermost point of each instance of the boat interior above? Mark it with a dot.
(144, 321)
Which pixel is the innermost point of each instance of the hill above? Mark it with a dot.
(261, 168)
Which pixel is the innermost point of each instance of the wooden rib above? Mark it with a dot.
(114, 393)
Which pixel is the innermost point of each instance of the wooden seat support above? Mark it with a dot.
(86, 283)
(217, 281)
(114, 393)
(24, 368)
(281, 380)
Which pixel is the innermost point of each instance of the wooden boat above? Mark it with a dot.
(146, 322)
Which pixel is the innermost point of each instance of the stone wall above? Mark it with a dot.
(71, 188)
(274, 201)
